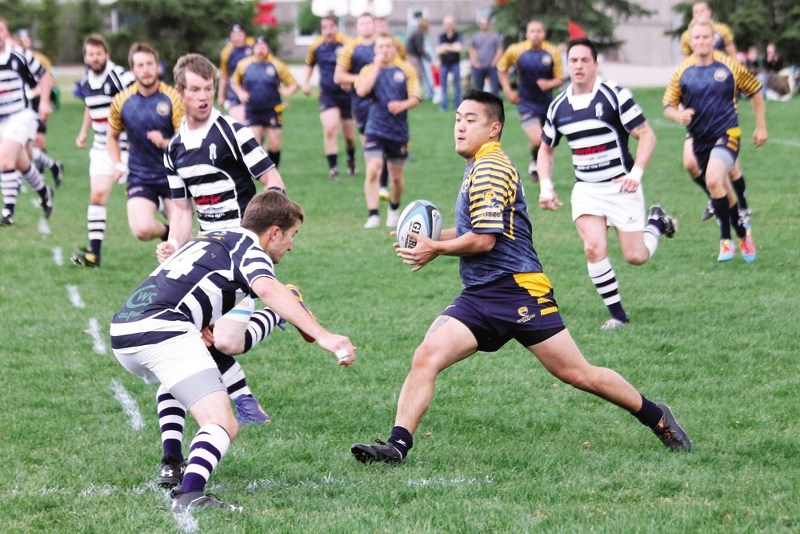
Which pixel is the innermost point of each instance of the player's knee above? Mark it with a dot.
(425, 360)
(594, 251)
(636, 257)
(228, 343)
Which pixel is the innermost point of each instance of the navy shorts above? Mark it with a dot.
(529, 113)
(152, 192)
(727, 146)
(343, 102)
(268, 119)
(520, 306)
(378, 147)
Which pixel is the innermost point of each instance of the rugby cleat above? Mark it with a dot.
(184, 502)
(171, 472)
(670, 432)
(726, 251)
(373, 221)
(377, 452)
(7, 220)
(86, 258)
(708, 213)
(747, 248)
(670, 225)
(533, 171)
(351, 167)
(58, 173)
(613, 323)
(249, 411)
(392, 216)
(47, 202)
(295, 291)
(334, 173)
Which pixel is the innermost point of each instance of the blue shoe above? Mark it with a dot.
(249, 411)
(725, 250)
(747, 248)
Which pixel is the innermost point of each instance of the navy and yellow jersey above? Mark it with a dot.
(137, 114)
(400, 47)
(201, 282)
(398, 82)
(597, 128)
(324, 54)
(492, 201)
(723, 36)
(216, 167)
(229, 57)
(711, 91)
(355, 56)
(532, 65)
(262, 79)
(15, 78)
(98, 91)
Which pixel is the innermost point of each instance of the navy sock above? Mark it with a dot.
(373, 212)
(401, 439)
(722, 211)
(650, 414)
(333, 160)
(741, 229)
(394, 206)
(741, 192)
(701, 183)
(275, 157)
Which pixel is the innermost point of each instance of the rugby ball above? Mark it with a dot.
(420, 217)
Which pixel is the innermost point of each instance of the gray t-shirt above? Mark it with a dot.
(486, 46)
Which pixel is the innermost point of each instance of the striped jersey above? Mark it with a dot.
(98, 90)
(597, 127)
(492, 201)
(229, 57)
(262, 79)
(711, 91)
(216, 167)
(398, 82)
(138, 114)
(324, 54)
(196, 286)
(15, 78)
(543, 63)
(723, 36)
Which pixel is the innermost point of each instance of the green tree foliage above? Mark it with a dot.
(18, 14)
(49, 28)
(597, 17)
(89, 20)
(756, 22)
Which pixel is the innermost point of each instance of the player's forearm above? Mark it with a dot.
(272, 180)
(468, 244)
(112, 144)
(758, 110)
(367, 83)
(180, 224)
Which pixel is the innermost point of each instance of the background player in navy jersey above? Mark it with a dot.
(539, 71)
(506, 293)
(392, 86)
(150, 112)
(157, 333)
(238, 47)
(354, 56)
(103, 80)
(335, 108)
(18, 124)
(261, 81)
(706, 85)
(597, 119)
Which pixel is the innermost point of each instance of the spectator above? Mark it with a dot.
(449, 50)
(485, 50)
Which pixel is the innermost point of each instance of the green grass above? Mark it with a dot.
(505, 446)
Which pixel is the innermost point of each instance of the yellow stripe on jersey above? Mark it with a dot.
(734, 136)
(536, 284)
(413, 87)
(225, 55)
(721, 30)
(513, 53)
(493, 187)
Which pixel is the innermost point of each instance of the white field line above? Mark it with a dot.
(75, 296)
(58, 256)
(97, 338)
(43, 227)
(128, 403)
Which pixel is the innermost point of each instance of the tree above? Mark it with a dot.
(756, 22)
(49, 28)
(89, 20)
(597, 17)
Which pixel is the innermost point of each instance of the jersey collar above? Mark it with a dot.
(487, 148)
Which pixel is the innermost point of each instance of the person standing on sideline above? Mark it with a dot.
(260, 82)
(418, 56)
(393, 88)
(238, 47)
(157, 336)
(485, 49)
(103, 80)
(701, 95)
(449, 50)
(335, 107)
(597, 118)
(506, 294)
(539, 71)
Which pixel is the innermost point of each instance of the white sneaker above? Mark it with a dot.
(392, 217)
(383, 193)
(373, 221)
(612, 324)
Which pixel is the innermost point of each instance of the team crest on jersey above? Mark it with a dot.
(720, 75)
(598, 110)
(162, 109)
(399, 76)
(212, 152)
(271, 71)
(107, 88)
(547, 60)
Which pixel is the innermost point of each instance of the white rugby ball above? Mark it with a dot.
(421, 217)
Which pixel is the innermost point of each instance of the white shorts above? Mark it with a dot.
(20, 126)
(623, 211)
(100, 162)
(182, 364)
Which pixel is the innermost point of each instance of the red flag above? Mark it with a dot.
(264, 15)
(575, 31)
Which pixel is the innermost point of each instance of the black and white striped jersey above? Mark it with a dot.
(98, 90)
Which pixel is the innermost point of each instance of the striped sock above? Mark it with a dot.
(171, 420)
(96, 223)
(261, 324)
(10, 186)
(208, 447)
(34, 178)
(605, 281)
(651, 235)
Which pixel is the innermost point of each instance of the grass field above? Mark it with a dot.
(504, 448)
